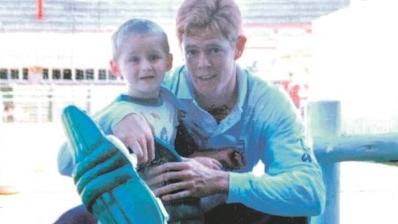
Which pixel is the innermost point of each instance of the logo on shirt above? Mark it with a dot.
(306, 156)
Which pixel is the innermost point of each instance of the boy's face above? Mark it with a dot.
(143, 63)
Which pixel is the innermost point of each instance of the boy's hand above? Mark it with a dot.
(136, 133)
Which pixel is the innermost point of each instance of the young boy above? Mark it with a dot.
(141, 56)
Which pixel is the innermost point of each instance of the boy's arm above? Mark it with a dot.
(131, 128)
(136, 134)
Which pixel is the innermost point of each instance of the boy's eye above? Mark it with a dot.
(154, 57)
(134, 59)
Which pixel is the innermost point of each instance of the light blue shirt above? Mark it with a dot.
(263, 125)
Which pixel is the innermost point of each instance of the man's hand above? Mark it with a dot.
(136, 133)
(189, 178)
(228, 157)
(209, 162)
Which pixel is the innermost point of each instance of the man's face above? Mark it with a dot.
(210, 59)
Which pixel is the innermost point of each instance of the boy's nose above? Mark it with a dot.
(146, 65)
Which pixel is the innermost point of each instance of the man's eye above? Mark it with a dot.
(191, 52)
(215, 50)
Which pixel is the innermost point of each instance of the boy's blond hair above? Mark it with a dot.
(221, 16)
(137, 27)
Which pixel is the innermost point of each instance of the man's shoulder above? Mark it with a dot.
(263, 95)
(259, 87)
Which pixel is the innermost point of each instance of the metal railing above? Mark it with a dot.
(331, 148)
(45, 102)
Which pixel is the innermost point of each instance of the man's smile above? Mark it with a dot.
(206, 77)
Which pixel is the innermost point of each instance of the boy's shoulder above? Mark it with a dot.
(104, 111)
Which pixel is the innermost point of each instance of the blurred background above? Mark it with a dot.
(56, 52)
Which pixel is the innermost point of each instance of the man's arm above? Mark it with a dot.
(292, 186)
(292, 190)
(194, 180)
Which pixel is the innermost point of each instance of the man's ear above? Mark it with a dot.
(114, 66)
(169, 62)
(240, 46)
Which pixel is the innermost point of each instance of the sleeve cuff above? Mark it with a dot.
(118, 116)
(238, 183)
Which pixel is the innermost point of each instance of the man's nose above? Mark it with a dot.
(203, 59)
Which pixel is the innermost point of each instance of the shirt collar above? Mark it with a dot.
(242, 85)
(185, 88)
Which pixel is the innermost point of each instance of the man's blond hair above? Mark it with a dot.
(221, 16)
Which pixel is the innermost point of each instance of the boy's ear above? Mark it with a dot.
(114, 66)
(169, 62)
(240, 46)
